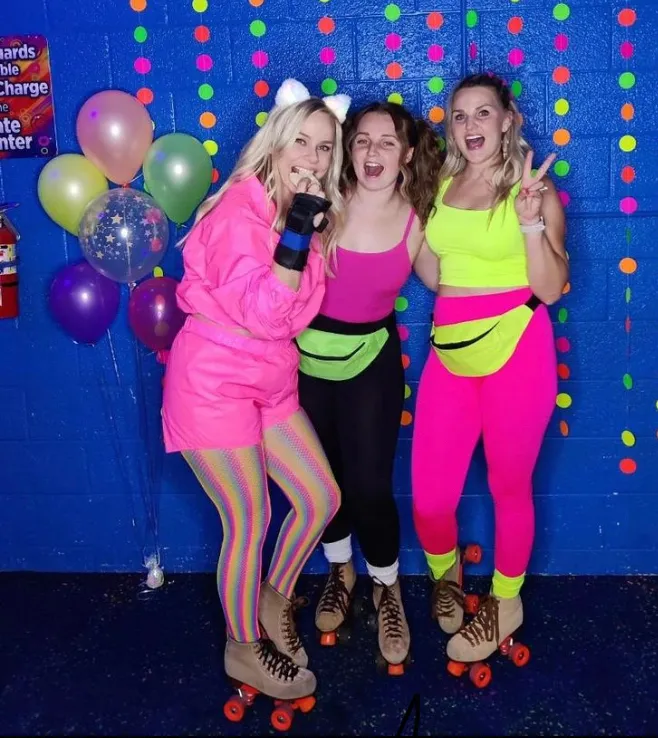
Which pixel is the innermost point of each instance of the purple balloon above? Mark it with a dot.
(153, 313)
(84, 302)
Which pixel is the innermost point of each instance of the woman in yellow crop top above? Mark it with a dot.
(498, 234)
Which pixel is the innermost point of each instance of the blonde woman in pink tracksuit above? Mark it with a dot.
(255, 264)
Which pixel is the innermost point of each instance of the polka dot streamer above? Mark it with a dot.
(326, 27)
(627, 205)
(205, 91)
(401, 305)
(393, 42)
(260, 60)
(142, 63)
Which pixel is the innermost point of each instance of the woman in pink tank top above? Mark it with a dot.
(351, 381)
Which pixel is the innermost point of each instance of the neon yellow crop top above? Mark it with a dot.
(474, 252)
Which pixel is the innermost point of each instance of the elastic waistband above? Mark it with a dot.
(331, 325)
(225, 337)
(451, 310)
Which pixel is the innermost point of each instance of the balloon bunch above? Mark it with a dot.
(123, 232)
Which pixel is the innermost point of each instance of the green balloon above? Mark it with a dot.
(178, 174)
(66, 186)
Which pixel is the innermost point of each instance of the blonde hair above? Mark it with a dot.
(257, 158)
(514, 146)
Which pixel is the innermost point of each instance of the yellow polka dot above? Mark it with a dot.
(563, 400)
(628, 438)
(407, 391)
(627, 143)
(211, 147)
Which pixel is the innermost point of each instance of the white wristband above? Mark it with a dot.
(537, 227)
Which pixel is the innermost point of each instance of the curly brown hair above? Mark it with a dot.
(419, 178)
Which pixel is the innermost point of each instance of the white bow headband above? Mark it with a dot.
(292, 91)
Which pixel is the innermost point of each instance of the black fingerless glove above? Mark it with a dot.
(293, 247)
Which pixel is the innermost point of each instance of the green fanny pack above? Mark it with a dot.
(477, 348)
(332, 349)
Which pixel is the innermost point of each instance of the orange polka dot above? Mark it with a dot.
(627, 111)
(202, 34)
(406, 418)
(628, 265)
(393, 70)
(515, 24)
(566, 289)
(563, 371)
(261, 88)
(561, 75)
(627, 17)
(215, 176)
(326, 25)
(406, 361)
(145, 96)
(628, 466)
(564, 428)
(256, 3)
(435, 21)
(561, 137)
(627, 325)
(138, 5)
(628, 174)
(207, 120)
(436, 114)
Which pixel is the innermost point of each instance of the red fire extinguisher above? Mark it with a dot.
(9, 237)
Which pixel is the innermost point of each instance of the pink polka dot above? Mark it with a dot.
(561, 42)
(327, 55)
(564, 198)
(393, 42)
(203, 63)
(626, 50)
(473, 50)
(403, 332)
(628, 205)
(435, 53)
(516, 57)
(562, 345)
(260, 59)
(142, 65)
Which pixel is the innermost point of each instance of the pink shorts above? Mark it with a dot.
(222, 390)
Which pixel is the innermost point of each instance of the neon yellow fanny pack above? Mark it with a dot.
(477, 348)
(330, 349)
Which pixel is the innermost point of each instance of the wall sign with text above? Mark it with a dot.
(27, 118)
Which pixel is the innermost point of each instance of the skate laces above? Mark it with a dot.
(389, 611)
(484, 626)
(293, 640)
(445, 596)
(275, 662)
(335, 595)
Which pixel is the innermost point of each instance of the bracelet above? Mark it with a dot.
(537, 227)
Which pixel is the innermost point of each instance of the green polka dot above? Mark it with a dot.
(407, 391)
(395, 97)
(257, 28)
(627, 143)
(626, 80)
(442, 143)
(329, 86)
(561, 106)
(628, 381)
(140, 34)
(435, 85)
(392, 12)
(562, 315)
(206, 91)
(158, 272)
(628, 235)
(211, 147)
(561, 168)
(471, 18)
(627, 438)
(516, 88)
(627, 295)
(561, 12)
(401, 304)
(261, 118)
(200, 6)
(563, 400)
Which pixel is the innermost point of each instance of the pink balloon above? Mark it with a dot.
(115, 131)
(153, 313)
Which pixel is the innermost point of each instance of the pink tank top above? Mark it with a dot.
(366, 285)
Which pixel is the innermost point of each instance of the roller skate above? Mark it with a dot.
(492, 628)
(259, 668)
(392, 628)
(448, 599)
(276, 616)
(335, 603)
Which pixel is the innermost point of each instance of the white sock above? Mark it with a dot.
(338, 552)
(385, 574)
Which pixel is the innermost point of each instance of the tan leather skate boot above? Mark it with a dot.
(335, 598)
(276, 616)
(393, 629)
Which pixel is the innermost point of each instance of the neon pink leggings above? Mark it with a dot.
(511, 409)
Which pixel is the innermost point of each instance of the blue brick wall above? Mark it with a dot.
(77, 490)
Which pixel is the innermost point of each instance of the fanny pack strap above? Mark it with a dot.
(332, 325)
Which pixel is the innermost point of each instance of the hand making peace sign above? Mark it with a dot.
(528, 201)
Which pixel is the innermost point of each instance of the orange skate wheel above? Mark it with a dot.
(471, 604)
(456, 668)
(519, 654)
(395, 669)
(282, 717)
(306, 704)
(480, 675)
(473, 553)
(234, 709)
(328, 639)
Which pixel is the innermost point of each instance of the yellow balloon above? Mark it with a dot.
(67, 184)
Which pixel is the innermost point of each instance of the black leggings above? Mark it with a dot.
(358, 421)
